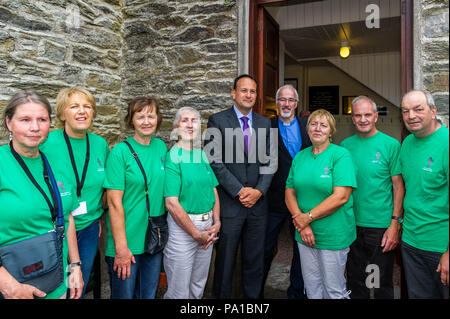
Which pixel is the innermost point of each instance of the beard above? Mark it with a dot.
(285, 115)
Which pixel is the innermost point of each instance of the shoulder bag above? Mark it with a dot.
(158, 231)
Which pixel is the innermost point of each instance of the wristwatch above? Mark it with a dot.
(398, 219)
(74, 265)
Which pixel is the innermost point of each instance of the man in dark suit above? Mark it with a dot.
(240, 157)
(292, 138)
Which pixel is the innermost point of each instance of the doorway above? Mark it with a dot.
(298, 41)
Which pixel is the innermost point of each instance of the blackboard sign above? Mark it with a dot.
(324, 97)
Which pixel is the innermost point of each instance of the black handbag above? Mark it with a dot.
(157, 231)
(38, 261)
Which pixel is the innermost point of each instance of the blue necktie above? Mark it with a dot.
(246, 131)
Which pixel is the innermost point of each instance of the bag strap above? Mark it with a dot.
(56, 208)
(60, 219)
(147, 202)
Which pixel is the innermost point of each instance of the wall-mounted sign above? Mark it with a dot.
(324, 97)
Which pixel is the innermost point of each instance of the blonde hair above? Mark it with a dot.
(63, 99)
(327, 115)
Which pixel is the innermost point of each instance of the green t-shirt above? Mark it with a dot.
(56, 150)
(190, 177)
(376, 160)
(313, 178)
(424, 163)
(24, 211)
(123, 173)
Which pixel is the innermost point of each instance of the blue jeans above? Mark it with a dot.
(422, 279)
(274, 225)
(87, 240)
(143, 280)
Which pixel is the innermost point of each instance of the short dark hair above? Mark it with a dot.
(23, 97)
(243, 76)
(137, 105)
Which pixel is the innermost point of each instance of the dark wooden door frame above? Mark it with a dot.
(407, 45)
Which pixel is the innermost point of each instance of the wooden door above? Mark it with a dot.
(267, 57)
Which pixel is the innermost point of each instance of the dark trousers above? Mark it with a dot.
(275, 222)
(250, 226)
(422, 279)
(366, 250)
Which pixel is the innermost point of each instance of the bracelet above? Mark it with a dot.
(310, 216)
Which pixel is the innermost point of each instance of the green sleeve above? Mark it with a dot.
(215, 182)
(115, 171)
(344, 170)
(172, 183)
(394, 161)
(290, 179)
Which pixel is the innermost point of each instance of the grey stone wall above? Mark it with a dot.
(49, 45)
(432, 71)
(183, 52)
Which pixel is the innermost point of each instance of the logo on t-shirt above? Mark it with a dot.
(377, 160)
(162, 163)
(62, 189)
(428, 168)
(326, 170)
(100, 168)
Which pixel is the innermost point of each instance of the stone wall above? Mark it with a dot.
(432, 44)
(183, 52)
(49, 45)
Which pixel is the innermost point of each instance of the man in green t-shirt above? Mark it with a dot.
(424, 164)
(378, 203)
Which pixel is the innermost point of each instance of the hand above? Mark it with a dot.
(443, 268)
(391, 237)
(76, 283)
(122, 263)
(212, 231)
(22, 291)
(307, 236)
(249, 196)
(301, 221)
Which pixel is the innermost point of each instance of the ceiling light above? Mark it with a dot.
(344, 52)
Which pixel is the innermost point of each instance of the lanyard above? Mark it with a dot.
(56, 209)
(147, 202)
(72, 160)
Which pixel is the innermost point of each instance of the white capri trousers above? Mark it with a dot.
(186, 263)
(323, 272)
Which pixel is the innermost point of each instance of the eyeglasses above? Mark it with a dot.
(284, 100)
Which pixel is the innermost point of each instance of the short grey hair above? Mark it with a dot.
(362, 98)
(429, 98)
(176, 120)
(284, 87)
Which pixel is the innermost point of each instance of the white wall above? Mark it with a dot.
(330, 75)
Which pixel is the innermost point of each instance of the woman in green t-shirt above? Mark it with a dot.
(318, 195)
(28, 198)
(80, 157)
(193, 204)
(134, 273)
